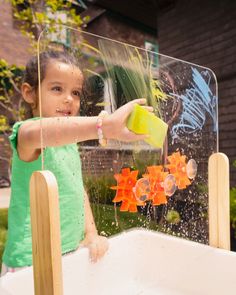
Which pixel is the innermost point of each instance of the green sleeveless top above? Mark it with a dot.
(64, 163)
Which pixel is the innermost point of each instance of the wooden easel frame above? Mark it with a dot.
(219, 201)
(46, 241)
(47, 262)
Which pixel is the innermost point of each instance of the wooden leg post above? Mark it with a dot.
(219, 210)
(46, 243)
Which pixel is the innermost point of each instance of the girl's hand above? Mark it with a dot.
(114, 126)
(97, 245)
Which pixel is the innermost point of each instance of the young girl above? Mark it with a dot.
(61, 87)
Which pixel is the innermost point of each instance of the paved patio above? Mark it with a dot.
(5, 197)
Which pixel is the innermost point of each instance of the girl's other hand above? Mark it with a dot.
(97, 245)
(114, 126)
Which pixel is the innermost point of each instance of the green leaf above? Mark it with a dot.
(40, 17)
(173, 217)
(233, 207)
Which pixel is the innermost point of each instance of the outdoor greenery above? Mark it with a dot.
(35, 15)
(233, 205)
(10, 100)
(99, 190)
(3, 232)
(11, 105)
(110, 221)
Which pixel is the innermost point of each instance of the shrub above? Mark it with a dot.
(98, 189)
(3, 232)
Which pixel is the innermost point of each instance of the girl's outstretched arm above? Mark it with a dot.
(98, 245)
(57, 131)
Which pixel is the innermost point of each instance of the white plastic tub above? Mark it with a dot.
(141, 262)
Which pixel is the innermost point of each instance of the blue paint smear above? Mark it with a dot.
(197, 101)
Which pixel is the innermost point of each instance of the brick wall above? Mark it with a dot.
(104, 161)
(119, 28)
(14, 47)
(107, 161)
(204, 32)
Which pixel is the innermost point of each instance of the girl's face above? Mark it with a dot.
(60, 90)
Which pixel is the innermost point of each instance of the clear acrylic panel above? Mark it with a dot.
(166, 188)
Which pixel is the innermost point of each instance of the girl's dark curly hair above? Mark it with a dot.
(31, 71)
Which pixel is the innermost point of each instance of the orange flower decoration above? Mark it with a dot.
(156, 177)
(178, 167)
(124, 190)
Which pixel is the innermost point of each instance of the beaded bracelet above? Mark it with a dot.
(101, 139)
